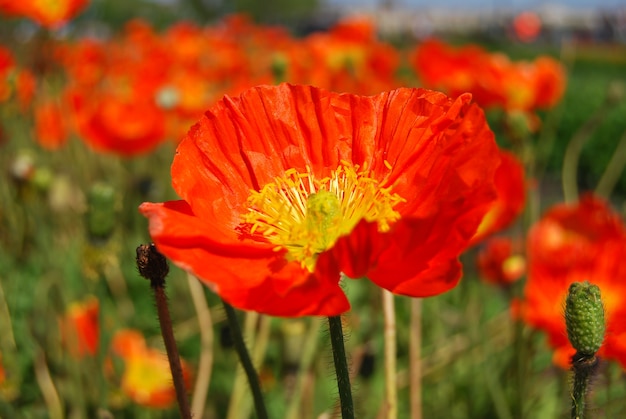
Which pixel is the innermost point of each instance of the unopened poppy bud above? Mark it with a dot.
(279, 67)
(584, 317)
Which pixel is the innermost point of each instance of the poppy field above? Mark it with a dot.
(235, 220)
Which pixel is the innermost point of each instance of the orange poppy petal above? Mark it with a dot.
(248, 277)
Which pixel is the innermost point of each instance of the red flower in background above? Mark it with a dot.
(575, 243)
(147, 378)
(7, 63)
(114, 123)
(349, 58)
(48, 13)
(500, 262)
(527, 26)
(492, 78)
(284, 188)
(14, 81)
(511, 189)
(80, 327)
(51, 130)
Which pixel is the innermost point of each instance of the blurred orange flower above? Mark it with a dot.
(511, 189)
(492, 78)
(7, 63)
(51, 129)
(47, 13)
(119, 124)
(527, 26)
(499, 263)
(147, 379)
(80, 327)
(349, 58)
(286, 187)
(3, 375)
(575, 243)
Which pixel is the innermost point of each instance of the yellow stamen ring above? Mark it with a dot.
(306, 216)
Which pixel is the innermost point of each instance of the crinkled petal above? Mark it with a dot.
(248, 277)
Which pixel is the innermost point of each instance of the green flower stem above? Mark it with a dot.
(415, 358)
(391, 376)
(308, 356)
(246, 361)
(341, 367)
(205, 365)
(575, 146)
(584, 367)
(613, 170)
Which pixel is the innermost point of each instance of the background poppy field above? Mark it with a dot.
(92, 105)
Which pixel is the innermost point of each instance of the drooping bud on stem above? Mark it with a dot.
(584, 319)
(153, 266)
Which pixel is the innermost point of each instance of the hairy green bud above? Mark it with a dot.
(584, 317)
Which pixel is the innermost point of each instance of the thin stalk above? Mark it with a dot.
(584, 368)
(153, 266)
(391, 389)
(310, 349)
(613, 170)
(246, 362)
(172, 351)
(258, 355)
(205, 366)
(574, 149)
(239, 388)
(415, 358)
(48, 389)
(341, 367)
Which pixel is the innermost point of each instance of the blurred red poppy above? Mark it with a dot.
(492, 78)
(80, 328)
(50, 14)
(147, 378)
(51, 130)
(286, 187)
(527, 26)
(499, 262)
(511, 189)
(576, 243)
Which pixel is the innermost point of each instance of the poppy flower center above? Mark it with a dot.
(306, 216)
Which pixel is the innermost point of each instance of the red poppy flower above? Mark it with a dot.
(51, 129)
(492, 78)
(147, 378)
(47, 13)
(499, 262)
(286, 187)
(527, 26)
(349, 58)
(81, 327)
(576, 243)
(511, 189)
(118, 124)
(3, 375)
(7, 63)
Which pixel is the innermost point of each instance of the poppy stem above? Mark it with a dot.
(415, 358)
(246, 361)
(153, 266)
(391, 390)
(341, 367)
(584, 367)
